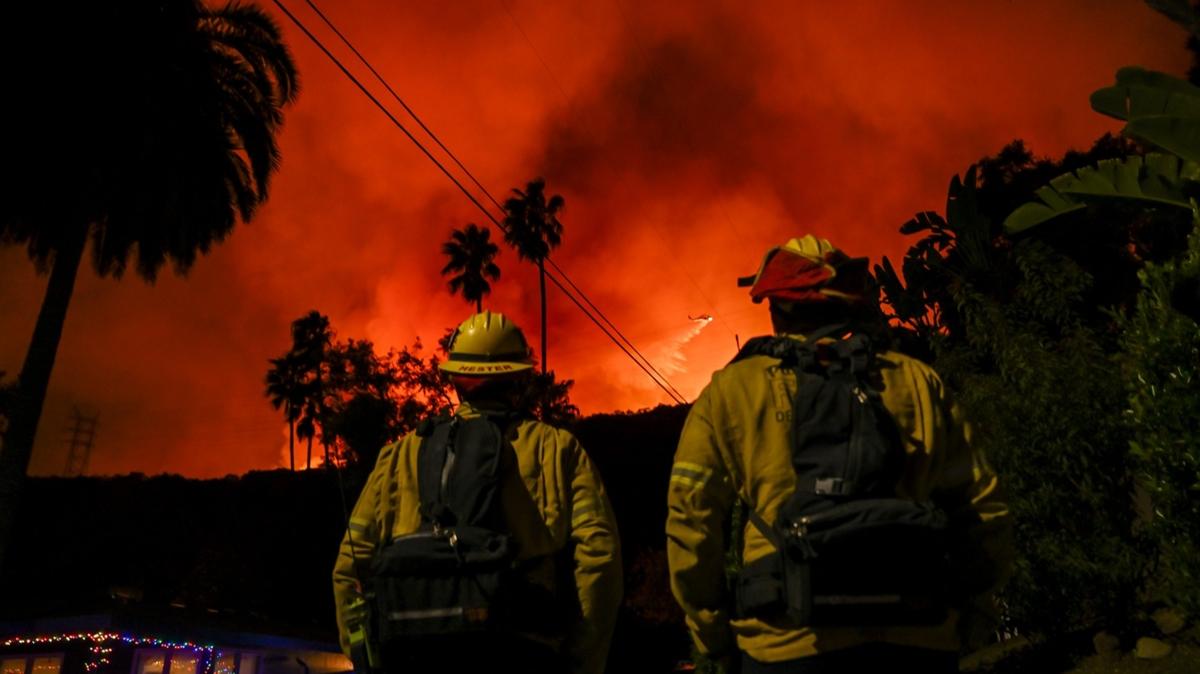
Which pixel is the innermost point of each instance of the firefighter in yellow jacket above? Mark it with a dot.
(736, 448)
(554, 504)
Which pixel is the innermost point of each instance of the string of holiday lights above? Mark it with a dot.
(101, 650)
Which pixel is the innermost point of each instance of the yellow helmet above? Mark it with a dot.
(811, 247)
(488, 344)
(808, 270)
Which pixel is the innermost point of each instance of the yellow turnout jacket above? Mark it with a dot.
(554, 502)
(735, 444)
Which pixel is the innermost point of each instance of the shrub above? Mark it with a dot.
(1161, 359)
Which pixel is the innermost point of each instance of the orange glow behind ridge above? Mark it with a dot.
(686, 138)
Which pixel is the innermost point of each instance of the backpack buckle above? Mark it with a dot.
(829, 486)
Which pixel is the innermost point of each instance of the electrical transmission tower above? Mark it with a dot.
(79, 446)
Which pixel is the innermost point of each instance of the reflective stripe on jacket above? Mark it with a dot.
(555, 501)
(736, 443)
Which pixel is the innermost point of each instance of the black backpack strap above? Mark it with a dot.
(792, 353)
(504, 420)
(830, 330)
(760, 346)
(434, 461)
(765, 529)
(772, 535)
(474, 487)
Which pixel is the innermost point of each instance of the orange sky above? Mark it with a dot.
(686, 138)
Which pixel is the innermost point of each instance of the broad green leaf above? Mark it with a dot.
(1177, 134)
(1140, 92)
(1033, 214)
(1156, 180)
(1160, 109)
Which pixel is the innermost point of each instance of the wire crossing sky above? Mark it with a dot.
(686, 138)
(591, 311)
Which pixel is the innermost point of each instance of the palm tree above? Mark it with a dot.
(285, 388)
(312, 341)
(149, 127)
(533, 229)
(471, 252)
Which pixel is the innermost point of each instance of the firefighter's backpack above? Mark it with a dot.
(456, 578)
(849, 551)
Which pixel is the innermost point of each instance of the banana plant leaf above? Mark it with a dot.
(1160, 109)
(1179, 11)
(1155, 180)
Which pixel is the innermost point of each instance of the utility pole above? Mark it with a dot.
(79, 446)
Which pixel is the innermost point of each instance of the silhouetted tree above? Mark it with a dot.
(1108, 240)
(374, 399)
(533, 230)
(549, 400)
(364, 425)
(312, 339)
(426, 391)
(285, 387)
(355, 399)
(363, 413)
(471, 254)
(150, 127)
(1008, 319)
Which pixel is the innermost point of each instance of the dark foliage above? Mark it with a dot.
(354, 399)
(549, 400)
(259, 549)
(150, 122)
(633, 452)
(145, 127)
(1009, 322)
(1161, 365)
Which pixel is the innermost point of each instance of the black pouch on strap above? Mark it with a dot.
(771, 589)
(442, 583)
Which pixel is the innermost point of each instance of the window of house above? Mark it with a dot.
(162, 661)
(235, 663)
(247, 664)
(150, 661)
(183, 663)
(31, 664)
(47, 664)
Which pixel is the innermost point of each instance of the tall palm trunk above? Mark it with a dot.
(34, 380)
(291, 436)
(308, 462)
(542, 282)
(479, 305)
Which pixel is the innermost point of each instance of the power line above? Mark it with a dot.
(399, 100)
(657, 228)
(675, 394)
(345, 71)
